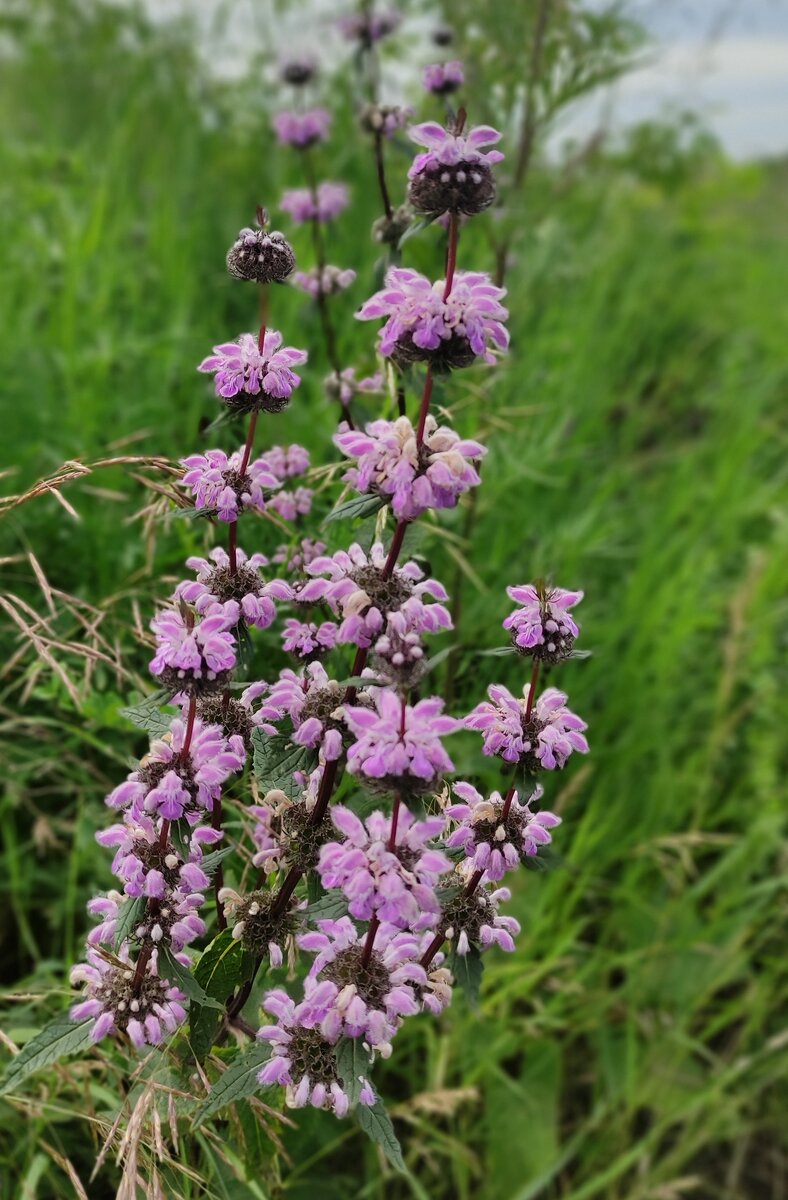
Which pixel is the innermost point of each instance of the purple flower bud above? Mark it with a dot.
(454, 173)
(443, 78)
(218, 486)
(146, 1011)
(542, 627)
(302, 129)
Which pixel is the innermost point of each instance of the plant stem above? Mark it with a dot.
(424, 407)
(395, 548)
(218, 878)
(507, 804)
(381, 169)
(532, 691)
(374, 925)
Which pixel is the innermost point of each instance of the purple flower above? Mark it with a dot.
(543, 741)
(445, 149)
(260, 256)
(330, 200)
(314, 704)
(492, 843)
(146, 867)
(298, 558)
(236, 718)
(285, 462)
(398, 653)
(368, 27)
(397, 885)
(384, 120)
(301, 129)
(173, 921)
(391, 463)
(345, 995)
(357, 589)
(195, 653)
(215, 584)
(325, 281)
(344, 386)
(170, 785)
(443, 78)
(399, 743)
(475, 921)
(146, 1012)
(542, 627)
(307, 639)
(436, 994)
(302, 1059)
(448, 331)
(249, 380)
(292, 504)
(219, 487)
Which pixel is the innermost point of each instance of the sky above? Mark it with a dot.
(725, 59)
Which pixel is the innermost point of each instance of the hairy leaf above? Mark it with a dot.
(182, 977)
(327, 908)
(148, 715)
(359, 506)
(352, 1063)
(131, 912)
(467, 970)
(377, 1125)
(237, 1082)
(211, 861)
(223, 967)
(60, 1037)
(276, 759)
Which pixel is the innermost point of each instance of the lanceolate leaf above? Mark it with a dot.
(359, 506)
(352, 1063)
(148, 715)
(182, 977)
(237, 1082)
(328, 908)
(467, 970)
(60, 1037)
(376, 1123)
(211, 861)
(130, 916)
(275, 761)
(223, 967)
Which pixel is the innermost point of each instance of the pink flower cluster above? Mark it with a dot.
(302, 129)
(240, 367)
(328, 201)
(218, 486)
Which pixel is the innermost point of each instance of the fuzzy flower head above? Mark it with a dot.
(147, 867)
(443, 78)
(302, 129)
(328, 202)
(195, 652)
(324, 282)
(304, 1060)
(237, 718)
(314, 704)
(298, 70)
(453, 173)
(146, 1012)
(296, 559)
(542, 627)
(261, 256)
(215, 583)
(475, 920)
(447, 331)
(307, 640)
(346, 995)
(395, 883)
(398, 746)
(219, 488)
(286, 462)
(344, 386)
(356, 587)
(248, 379)
(172, 922)
(390, 462)
(398, 655)
(255, 921)
(492, 842)
(367, 28)
(541, 737)
(171, 785)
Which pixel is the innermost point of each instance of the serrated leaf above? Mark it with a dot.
(182, 977)
(467, 970)
(359, 506)
(224, 965)
(211, 861)
(130, 916)
(352, 1064)
(276, 759)
(328, 908)
(192, 514)
(237, 1082)
(244, 647)
(376, 1123)
(60, 1037)
(148, 715)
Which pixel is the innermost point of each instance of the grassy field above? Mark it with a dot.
(635, 1046)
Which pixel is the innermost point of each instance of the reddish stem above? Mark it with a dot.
(394, 550)
(451, 253)
(426, 396)
(218, 879)
(190, 716)
(381, 169)
(394, 821)
(532, 691)
(374, 925)
(232, 546)
(247, 454)
(507, 804)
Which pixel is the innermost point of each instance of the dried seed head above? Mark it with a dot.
(463, 187)
(389, 230)
(260, 256)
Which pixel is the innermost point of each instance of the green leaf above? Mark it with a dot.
(224, 965)
(211, 861)
(276, 759)
(415, 228)
(376, 1123)
(498, 652)
(328, 908)
(244, 646)
(60, 1037)
(352, 1063)
(362, 681)
(193, 514)
(359, 506)
(130, 916)
(467, 970)
(237, 1082)
(148, 715)
(182, 977)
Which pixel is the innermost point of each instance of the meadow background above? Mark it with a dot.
(635, 1046)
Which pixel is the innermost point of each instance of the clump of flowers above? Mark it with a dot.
(389, 906)
(443, 78)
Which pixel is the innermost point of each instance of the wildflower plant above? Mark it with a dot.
(361, 880)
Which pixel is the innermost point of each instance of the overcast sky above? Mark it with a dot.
(727, 59)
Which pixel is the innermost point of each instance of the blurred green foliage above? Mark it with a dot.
(633, 1048)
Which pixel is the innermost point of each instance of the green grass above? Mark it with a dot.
(633, 1048)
